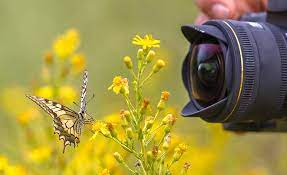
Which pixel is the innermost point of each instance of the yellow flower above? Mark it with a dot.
(45, 91)
(178, 151)
(78, 62)
(105, 172)
(27, 116)
(14, 106)
(65, 45)
(16, 170)
(120, 85)
(100, 127)
(183, 147)
(67, 94)
(40, 154)
(3, 163)
(146, 42)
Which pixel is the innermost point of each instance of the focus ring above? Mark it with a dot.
(279, 37)
(248, 95)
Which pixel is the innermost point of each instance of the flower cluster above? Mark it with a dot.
(38, 150)
(146, 133)
(10, 169)
(61, 62)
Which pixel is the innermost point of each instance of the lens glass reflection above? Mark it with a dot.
(207, 73)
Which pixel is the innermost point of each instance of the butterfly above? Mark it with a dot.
(68, 124)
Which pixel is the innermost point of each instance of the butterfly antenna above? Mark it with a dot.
(76, 104)
(92, 97)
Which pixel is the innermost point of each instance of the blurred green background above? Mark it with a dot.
(106, 29)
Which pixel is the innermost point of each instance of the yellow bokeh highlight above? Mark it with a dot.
(67, 94)
(3, 163)
(45, 92)
(16, 170)
(27, 116)
(66, 44)
(40, 154)
(78, 62)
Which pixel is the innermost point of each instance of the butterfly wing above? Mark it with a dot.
(84, 93)
(67, 123)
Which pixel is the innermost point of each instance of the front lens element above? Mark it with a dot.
(207, 73)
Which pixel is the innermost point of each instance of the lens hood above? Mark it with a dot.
(255, 71)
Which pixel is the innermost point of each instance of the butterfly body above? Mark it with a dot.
(67, 123)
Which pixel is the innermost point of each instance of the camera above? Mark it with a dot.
(235, 72)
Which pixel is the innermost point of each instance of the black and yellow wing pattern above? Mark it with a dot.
(67, 123)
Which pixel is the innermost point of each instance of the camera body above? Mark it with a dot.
(236, 71)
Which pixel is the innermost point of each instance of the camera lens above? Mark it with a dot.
(207, 75)
(236, 72)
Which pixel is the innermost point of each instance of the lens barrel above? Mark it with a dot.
(235, 71)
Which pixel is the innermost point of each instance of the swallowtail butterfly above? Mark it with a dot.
(68, 124)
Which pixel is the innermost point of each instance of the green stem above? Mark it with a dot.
(161, 140)
(153, 134)
(133, 74)
(128, 100)
(169, 166)
(125, 147)
(147, 78)
(131, 170)
(143, 168)
(131, 109)
(156, 114)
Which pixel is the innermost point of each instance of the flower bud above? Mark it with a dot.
(150, 56)
(129, 133)
(165, 95)
(159, 65)
(126, 115)
(112, 130)
(177, 154)
(178, 151)
(166, 142)
(128, 62)
(186, 166)
(144, 106)
(167, 129)
(148, 124)
(165, 146)
(106, 132)
(118, 157)
(155, 151)
(182, 147)
(140, 54)
(48, 58)
(169, 119)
